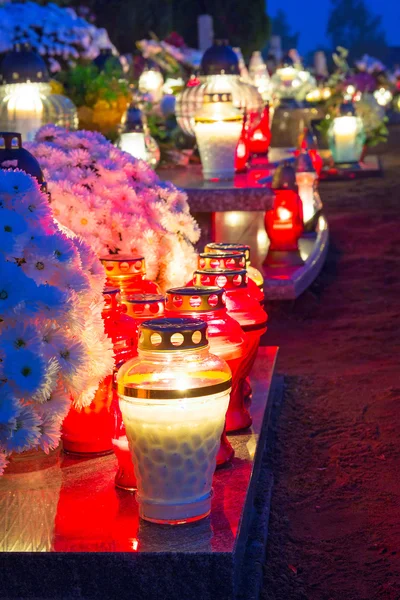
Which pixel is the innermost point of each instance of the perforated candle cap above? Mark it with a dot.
(228, 247)
(214, 97)
(160, 335)
(195, 299)
(227, 279)
(211, 261)
(22, 65)
(142, 306)
(122, 265)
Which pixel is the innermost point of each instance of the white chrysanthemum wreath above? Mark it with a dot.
(53, 348)
(117, 203)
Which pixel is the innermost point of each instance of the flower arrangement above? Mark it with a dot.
(58, 34)
(101, 97)
(347, 85)
(117, 203)
(53, 349)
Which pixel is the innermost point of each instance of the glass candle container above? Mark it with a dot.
(284, 223)
(173, 399)
(138, 308)
(253, 273)
(226, 340)
(260, 136)
(26, 101)
(218, 127)
(128, 273)
(132, 138)
(242, 307)
(219, 73)
(242, 155)
(309, 143)
(151, 82)
(89, 431)
(259, 75)
(346, 136)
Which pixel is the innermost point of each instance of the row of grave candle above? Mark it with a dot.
(170, 426)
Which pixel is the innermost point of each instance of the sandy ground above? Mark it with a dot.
(335, 516)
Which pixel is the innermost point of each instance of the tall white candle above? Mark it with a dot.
(217, 143)
(345, 132)
(134, 144)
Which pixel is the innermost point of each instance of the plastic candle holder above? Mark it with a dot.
(253, 273)
(138, 308)
(284, 223)
(89, 431)
(245, 310)
(218, 128)
(260, 136)
(173, 399)
(128, 273)
(226, 340)
(346, 136)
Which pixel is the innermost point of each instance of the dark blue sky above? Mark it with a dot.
(310, 18)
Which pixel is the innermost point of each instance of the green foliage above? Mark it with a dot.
(281, 27)
(85, 85)
(351, 24)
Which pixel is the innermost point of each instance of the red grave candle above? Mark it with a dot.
(89, 431)
(138, 308)
(253, 273)
(243, 149)
(260, 135)
(245, 309)
(226, 340)
(128, 273)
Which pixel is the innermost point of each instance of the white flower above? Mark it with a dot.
(71, 357)
(50, 432)
(41, 267)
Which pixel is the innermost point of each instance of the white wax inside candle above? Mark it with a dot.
(174, 444)
(217, 143)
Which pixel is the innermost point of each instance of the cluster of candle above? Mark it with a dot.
(181, 380)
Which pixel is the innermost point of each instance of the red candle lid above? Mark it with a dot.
(195, 299)
(227, 279)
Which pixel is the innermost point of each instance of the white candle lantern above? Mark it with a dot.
(132, 139)
(346, 136)
(151, 82)
(26, 102)
(219, 73)
(173, 399)
(260, 76)
(306, 180)
(218, 127)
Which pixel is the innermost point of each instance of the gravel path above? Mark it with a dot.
(335, 517)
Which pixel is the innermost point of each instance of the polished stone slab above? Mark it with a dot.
(67, 532)
(248, 191)
(288, 281)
